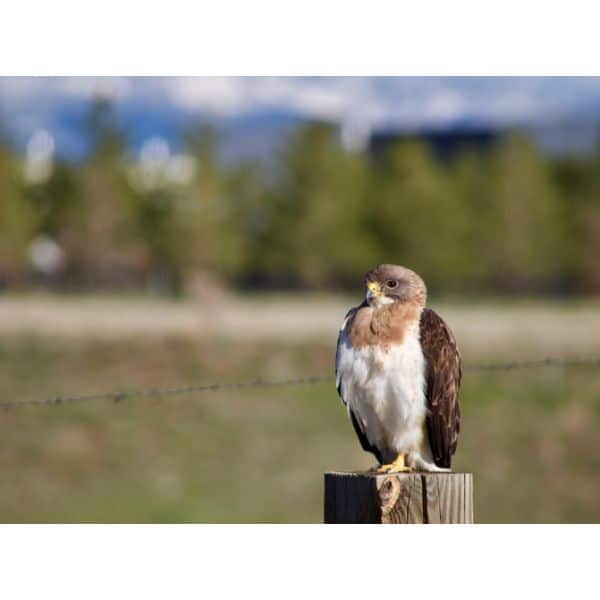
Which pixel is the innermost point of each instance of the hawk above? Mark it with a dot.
(398, 374)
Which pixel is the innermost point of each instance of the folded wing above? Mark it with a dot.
(443, 376)
(343, 365)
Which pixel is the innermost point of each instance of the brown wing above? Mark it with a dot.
(443, 377)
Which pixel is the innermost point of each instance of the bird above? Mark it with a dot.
(398, 372)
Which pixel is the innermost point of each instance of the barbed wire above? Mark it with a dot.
(259, 383)
(162, 392)
(536, 363)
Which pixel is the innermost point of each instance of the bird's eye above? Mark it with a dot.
(391, 283)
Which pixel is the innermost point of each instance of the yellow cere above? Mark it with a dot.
(373, 287)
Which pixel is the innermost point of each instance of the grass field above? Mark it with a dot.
(530, 437)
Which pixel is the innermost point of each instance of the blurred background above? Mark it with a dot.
(158, 232)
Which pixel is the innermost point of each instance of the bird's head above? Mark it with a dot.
(387, 284)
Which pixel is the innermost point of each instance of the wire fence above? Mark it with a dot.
(537, 363)
(119, 396)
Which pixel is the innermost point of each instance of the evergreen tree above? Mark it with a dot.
(17, 221)
(418, 215)
(525, 249)
(316, 214)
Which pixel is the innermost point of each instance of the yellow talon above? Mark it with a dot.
(398, 466)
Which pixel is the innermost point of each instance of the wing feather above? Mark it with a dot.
(341, 342)
(443, 375)
(362, 438)
(341, 355)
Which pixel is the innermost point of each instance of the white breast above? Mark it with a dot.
(385, 389)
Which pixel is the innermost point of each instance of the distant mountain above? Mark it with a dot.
(255, 114)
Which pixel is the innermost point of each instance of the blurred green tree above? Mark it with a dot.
(525, 245)
(53, 199)
(579, 182)
(17, 220)
(217, 243)
(182, 212)
(419, 216)
(316, 212)
(250, 202)
(316, 215)
(100, 250)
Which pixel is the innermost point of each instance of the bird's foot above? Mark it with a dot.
(398, 466)
(392, 468)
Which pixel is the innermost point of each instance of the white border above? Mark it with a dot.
(268, 37)
(302, 562)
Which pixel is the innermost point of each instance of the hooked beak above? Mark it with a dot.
(373, 291)
(373, 287)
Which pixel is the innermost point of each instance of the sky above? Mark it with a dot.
(246, 107)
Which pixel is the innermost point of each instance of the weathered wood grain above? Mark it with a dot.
(399, 498)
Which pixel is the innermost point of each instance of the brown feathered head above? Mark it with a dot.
(392, 283)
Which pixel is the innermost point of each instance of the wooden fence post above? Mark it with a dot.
(367, 497)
